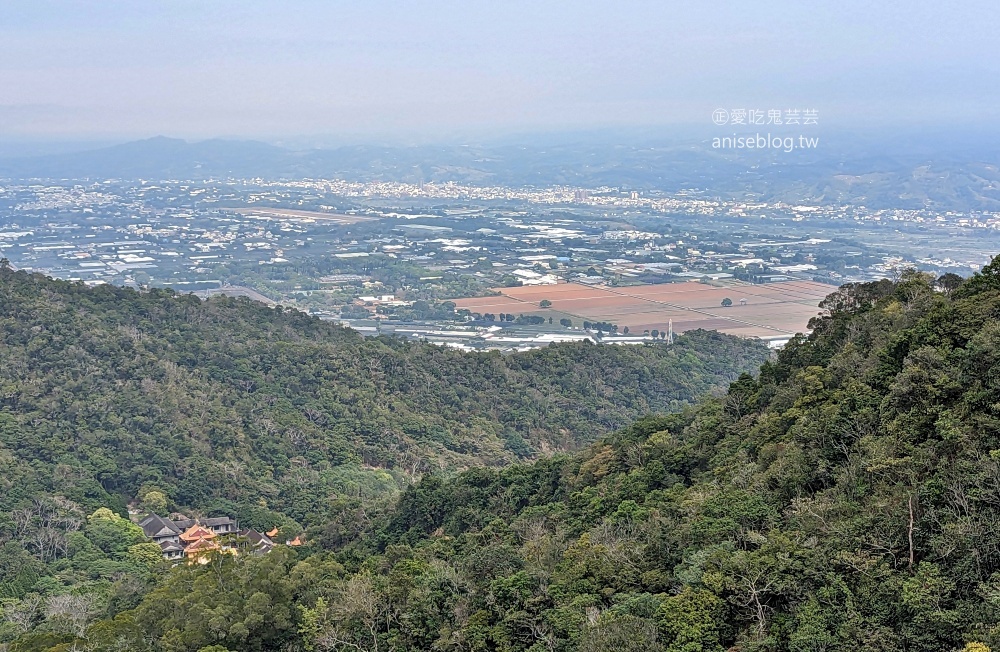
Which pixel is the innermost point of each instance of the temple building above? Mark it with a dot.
(194, 538)
(186, 537)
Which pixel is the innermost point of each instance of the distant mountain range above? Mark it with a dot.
(839, 171)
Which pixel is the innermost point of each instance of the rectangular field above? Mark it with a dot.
(771, 310)
(295, 214)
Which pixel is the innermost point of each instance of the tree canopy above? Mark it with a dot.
(844, 499)
(113, 399)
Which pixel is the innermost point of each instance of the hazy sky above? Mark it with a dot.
(202, 68)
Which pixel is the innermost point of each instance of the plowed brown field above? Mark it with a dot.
(771, 310)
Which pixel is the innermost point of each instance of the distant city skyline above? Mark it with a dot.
(434, 70)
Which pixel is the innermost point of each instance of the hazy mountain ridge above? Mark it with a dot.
(967, 180)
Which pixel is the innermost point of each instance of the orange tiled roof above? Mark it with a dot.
(273, 532)
(196, 532)
(200, 546)
(295, 542)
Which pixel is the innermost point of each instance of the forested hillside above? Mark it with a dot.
(108, 393)
(847, 498)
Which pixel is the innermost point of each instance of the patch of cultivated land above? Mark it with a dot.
(772, 310)
(294, 214)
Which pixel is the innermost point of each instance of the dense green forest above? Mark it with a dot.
(226, 405)
(846, 498)
(111, 398)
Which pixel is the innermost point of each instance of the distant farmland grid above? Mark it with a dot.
(771, 310)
